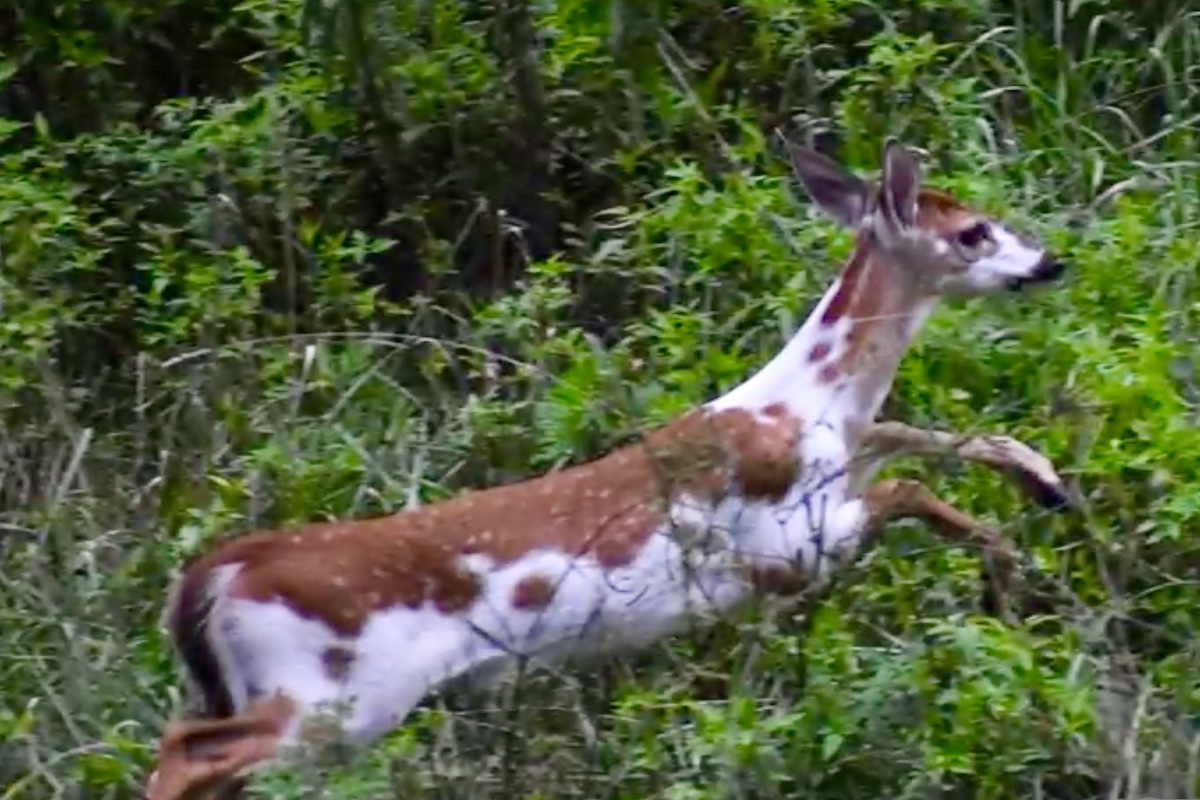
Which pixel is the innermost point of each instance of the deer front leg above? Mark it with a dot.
(899, 498)
(885, 441)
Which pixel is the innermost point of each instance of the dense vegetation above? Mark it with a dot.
(265, 262)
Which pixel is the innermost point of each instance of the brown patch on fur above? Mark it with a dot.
(342, 572)
(533, 593)
(776, 411)
(867, 288)
(337, 662)
(829, 373)
(848, 282)
(938, 212)
(768, 464)
(778, 579)
(819, 352)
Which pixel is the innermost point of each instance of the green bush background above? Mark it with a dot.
(266, 262)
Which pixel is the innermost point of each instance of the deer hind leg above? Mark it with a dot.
(885, 441)
(290, 683)
(206, 759)
(312, 690)
(211, 759)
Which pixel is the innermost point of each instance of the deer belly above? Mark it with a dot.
(550, 606)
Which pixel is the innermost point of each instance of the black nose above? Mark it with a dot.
(1048, 269)
(1045, 270)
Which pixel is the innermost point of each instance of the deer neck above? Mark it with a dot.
(838, 368)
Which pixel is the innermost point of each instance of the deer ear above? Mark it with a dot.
(901, 183)
(836, 191)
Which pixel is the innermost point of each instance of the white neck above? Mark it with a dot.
(843, 359)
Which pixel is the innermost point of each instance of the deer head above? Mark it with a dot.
(943, 247)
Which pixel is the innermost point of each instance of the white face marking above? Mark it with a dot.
(1010, 259)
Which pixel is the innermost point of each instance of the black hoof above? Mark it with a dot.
(1052, 496)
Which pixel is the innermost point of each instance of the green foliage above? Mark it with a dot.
(263, 263)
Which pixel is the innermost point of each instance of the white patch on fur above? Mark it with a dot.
(692, 522)
(266, 647)
(217, 589)
(781, 378)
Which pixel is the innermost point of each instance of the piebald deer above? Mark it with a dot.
(766, 489)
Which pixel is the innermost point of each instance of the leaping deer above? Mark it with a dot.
(765, 489)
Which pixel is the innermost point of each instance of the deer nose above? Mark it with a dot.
(1045, 270)
(1048, 269)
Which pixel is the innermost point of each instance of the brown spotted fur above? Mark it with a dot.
(341, 572)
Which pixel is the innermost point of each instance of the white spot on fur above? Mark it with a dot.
(477, 563)
(691, 520)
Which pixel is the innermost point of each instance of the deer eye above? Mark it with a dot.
(974, 236)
